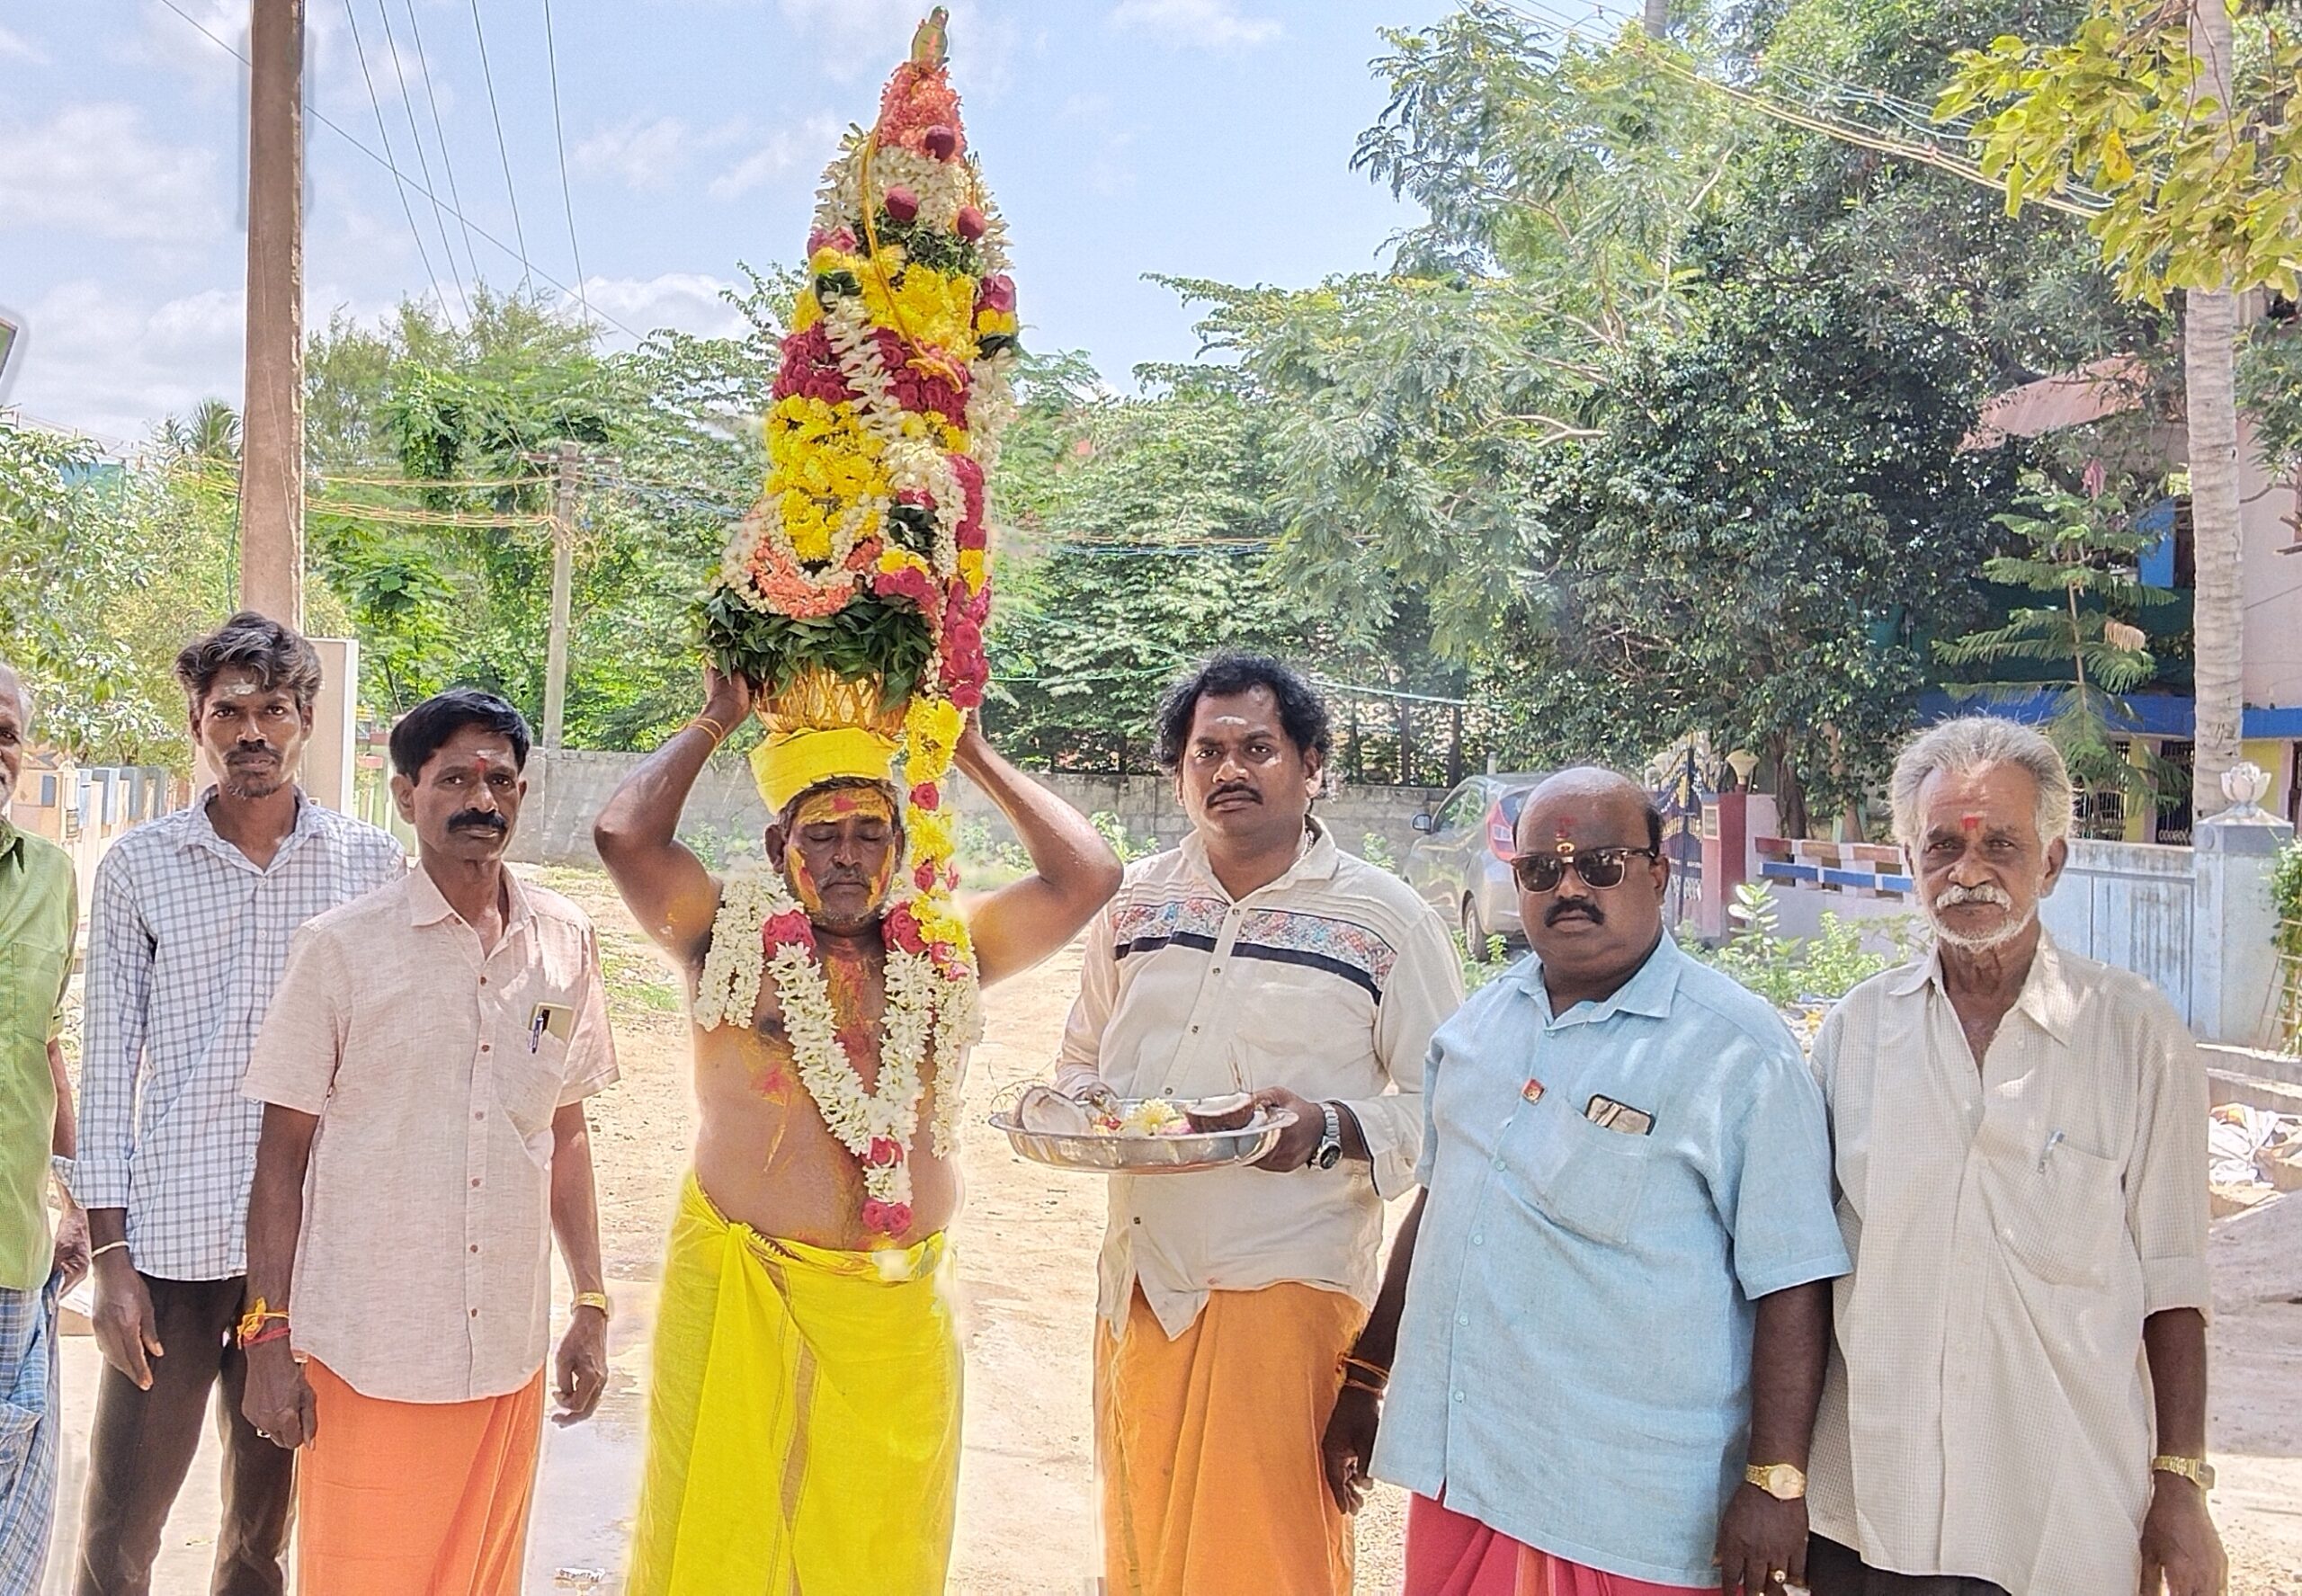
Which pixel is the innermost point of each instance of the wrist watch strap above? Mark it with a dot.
(2197, 1470)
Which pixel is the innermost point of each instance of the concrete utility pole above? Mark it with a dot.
(563, 581)
(271, 419)
(1656, 18)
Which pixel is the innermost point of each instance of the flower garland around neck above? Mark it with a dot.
(933, 1014)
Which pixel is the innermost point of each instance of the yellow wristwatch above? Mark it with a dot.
(595, 1299)
(2197, 1470)
(1783, 1481)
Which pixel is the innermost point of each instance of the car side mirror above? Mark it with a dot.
(1423, 823)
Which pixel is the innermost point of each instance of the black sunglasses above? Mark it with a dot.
(1600, 868)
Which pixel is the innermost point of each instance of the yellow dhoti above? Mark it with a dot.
(803, 1427)
(1209, 1447)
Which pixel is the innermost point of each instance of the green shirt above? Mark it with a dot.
(40, 902)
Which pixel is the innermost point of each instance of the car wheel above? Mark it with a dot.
(1474, 932)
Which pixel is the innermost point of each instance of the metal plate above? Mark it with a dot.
(1101, 1153)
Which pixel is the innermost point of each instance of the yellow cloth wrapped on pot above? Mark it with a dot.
(787, 763)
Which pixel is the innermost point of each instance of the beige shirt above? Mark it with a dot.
(424, 1269)
(1327, 982)
(1987, 1409)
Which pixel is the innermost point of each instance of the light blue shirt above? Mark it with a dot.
(1574, 1365)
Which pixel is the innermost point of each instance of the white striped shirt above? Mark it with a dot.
(186, 941)
(1327, 982)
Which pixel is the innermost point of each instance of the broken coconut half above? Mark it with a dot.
(1230, 1111)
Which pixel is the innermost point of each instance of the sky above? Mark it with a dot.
(1197, 137)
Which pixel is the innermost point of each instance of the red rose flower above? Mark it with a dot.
(908, 582)
(927, 795)
(923, 877)
(889, 1219)
(940, 141)
(972, 223)
(969, 471)
(996, 293)
(900, 930)
(792, 928)
(885, 1151)
(901, 203)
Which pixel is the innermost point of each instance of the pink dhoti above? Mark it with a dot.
(1449, 1553)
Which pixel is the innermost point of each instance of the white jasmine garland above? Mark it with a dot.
(931, 1020)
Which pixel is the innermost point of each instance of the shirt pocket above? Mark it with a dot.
(31, 974)
(2063, 1216)
(1582, 1177)
(527, 1085)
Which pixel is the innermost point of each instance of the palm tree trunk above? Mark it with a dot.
(2209, 336)
(2209, 328)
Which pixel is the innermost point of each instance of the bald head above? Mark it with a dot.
(14, 692)
(1582, 796)
(1591, 930)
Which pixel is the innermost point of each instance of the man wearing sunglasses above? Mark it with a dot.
(1609, 1306)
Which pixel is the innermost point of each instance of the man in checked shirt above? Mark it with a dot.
(188, 934)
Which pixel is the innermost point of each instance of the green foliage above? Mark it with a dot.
(1123, 843)
(1375, 847)
(867, 636)
(2286, 893)
(1790, 971)
(1477, 972)
(105, 572)
(2119, 107)
(2079, 551)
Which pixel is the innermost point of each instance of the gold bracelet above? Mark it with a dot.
(107, 1247)
(595, 1299)
(1347, 1365)
(718, 732)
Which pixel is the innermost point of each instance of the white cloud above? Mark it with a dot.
(114, 366)
(644, 155)
(94, 169)
(689, 301)
(21, 49)
(811, 142)
(1214, 23)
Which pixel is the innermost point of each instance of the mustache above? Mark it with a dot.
(478, 820)
(1237, 789)
(253, 750)
(1952, 895)
(1576, 906)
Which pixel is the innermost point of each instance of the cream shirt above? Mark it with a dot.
(1987, 1409)
(424, 1269)
(1327, 982)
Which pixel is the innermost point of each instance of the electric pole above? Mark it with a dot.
(271, 419)
(563, 581)
(1656, 18)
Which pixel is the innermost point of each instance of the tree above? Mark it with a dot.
(2192, 142)
(2080, 553)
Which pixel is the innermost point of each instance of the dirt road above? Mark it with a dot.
(1025, 1250)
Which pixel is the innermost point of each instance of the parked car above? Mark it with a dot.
(1461, 862)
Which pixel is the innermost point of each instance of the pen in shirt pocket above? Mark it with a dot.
(537, 1026)
(2046, 1152)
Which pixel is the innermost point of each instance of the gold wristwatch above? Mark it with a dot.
(2197, 1470)
(1783, 1481)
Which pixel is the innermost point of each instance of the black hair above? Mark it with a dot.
(424, 729)
(278, 655)
(1302, 714)
(1654, 820)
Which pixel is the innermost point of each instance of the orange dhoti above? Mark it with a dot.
(415, 1498)
(1208, 1447)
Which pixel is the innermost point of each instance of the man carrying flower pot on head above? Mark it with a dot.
(803, 1429)
(1256, 956)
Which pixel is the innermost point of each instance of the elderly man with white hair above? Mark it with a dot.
(2016, 1397)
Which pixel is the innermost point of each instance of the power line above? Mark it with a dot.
(340, 131)
(440, 131)
(559, 134)
(422, 161)
(384, 133)
(488, 75)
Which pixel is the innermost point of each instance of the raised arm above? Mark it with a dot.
(667, 888)
(1074, 872)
